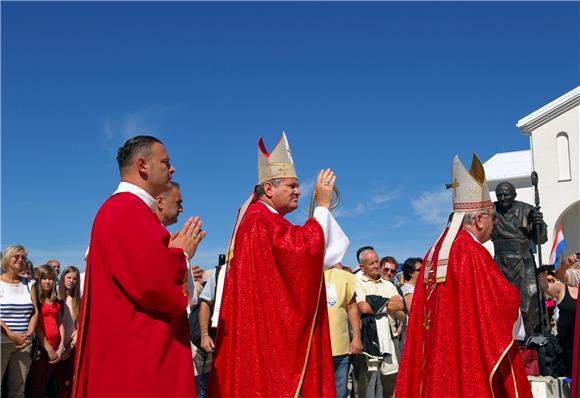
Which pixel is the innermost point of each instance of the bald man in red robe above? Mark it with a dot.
(133, 331)
(273, 337)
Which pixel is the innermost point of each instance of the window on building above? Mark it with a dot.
(563, 147)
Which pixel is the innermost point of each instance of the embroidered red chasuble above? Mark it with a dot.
(460, 337)
(273, 338)
(134, 338)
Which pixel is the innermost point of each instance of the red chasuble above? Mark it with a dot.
(134, 338)
(273, 338)
(460, 337)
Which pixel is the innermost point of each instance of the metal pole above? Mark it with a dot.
(538, 229)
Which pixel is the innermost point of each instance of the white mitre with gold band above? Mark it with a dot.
(470, 193)
(278, 163)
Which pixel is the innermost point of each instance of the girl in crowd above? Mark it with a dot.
(69, 293)
(18, 317)
(50, 332)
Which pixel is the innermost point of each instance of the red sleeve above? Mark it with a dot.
(291, 239)
(133, 245)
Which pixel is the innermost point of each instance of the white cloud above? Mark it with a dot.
(433, 207)
(384, 198)
(401, 221)
(352, 212)
(147, 120)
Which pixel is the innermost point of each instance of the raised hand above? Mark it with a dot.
(324, 188)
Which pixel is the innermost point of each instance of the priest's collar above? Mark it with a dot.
(139, 192)
(269, 207)
(473, 236)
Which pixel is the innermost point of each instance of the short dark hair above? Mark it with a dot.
(362, 249)
(409, 267)
(389, 259)
(165, 194)
(139, 144)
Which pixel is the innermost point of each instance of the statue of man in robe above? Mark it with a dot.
(512, 236)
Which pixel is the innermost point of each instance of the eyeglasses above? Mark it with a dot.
(391, 271)
(19, 256)
(492, 215)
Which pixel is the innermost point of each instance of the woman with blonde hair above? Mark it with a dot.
(69, 293)
(18, 317)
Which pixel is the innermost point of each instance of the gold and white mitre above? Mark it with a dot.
(470, 193)
(278, 164)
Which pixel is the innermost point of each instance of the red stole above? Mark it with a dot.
(133, 332)
(269, 341)
(459, 342)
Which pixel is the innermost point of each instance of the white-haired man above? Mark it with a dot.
(465, 314)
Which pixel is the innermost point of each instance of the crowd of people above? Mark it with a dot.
(281, 315)
(39, 309)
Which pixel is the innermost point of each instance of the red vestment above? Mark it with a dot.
(460, 337)
(133, 331)
(273, 338)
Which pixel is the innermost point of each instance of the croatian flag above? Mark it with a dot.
(558, 247)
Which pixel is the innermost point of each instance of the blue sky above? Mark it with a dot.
(383, 93)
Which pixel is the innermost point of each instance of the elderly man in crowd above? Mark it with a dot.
(133, 335)
(378, 301)
(465, 314)
(55, 265)
(272, 337)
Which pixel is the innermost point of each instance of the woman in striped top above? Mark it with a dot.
(18, 317)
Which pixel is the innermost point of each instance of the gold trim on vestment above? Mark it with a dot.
(496, 366)
(310, 338)
(513, 376)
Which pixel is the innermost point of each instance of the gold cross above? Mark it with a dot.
(283, 169)
(455, 185)
(426, 321)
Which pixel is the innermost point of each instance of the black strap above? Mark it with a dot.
(405, 309)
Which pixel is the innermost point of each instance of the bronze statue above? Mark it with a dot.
(512, 238)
